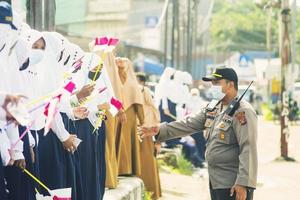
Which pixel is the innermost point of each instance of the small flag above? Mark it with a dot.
(116, 103)
(113, 41)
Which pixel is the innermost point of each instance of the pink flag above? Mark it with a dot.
(101, 41)
(113, 41)
(116, 103)
(70, 87)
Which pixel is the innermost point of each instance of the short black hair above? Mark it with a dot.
(235, 84)
(141, 77)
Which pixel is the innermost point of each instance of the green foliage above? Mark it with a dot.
(179, 165)
(147, 195)
(184, 166)
(240, 26)
(267, 112)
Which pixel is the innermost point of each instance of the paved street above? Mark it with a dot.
(277, 180)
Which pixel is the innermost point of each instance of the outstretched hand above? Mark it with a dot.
(148, 131)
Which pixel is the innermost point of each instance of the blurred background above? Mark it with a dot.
(258, 38)
(189, 35)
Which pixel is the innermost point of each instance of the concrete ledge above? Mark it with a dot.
(129, 188)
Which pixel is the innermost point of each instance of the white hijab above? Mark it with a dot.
(161, 88)
(103, 84)
(8, 38)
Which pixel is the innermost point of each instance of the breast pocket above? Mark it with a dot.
(223, 133)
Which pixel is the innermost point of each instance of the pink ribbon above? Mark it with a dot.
(59, 198)
(22, 135)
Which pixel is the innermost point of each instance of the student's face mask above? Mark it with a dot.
(36, 56)
(94, 75)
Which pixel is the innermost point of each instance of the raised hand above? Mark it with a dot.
(85, 91)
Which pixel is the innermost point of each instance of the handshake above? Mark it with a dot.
(148, 131)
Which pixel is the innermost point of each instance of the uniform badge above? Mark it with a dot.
(208, 123)
(210, 116)
(241, 117)
(222, 125)
(222, 136)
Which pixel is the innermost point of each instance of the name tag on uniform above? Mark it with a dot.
(210, 116)
(225, 123)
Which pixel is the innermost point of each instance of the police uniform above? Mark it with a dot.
(231, 149)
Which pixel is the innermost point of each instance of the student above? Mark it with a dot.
(128, 147)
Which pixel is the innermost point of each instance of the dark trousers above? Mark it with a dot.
(224, 194)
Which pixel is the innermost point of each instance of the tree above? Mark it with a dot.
(240, 26)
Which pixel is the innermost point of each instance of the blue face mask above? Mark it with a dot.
(216, 92)
(36, 56)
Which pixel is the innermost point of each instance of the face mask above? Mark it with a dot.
(216, 92)
(91, 75)
(36, 56)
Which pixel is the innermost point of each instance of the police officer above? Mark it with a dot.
(231, 148)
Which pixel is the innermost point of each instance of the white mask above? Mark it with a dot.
(216, 92)
(36, 56)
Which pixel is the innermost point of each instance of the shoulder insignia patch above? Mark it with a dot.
(241, 117)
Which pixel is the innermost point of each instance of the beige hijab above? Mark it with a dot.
(112, 70)
(131, 90)
(152, 117)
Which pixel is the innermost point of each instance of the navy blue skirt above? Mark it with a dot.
(165, 118)
(102, 166)
(78, 190)
(57, 167)
(20, 185)
(92, 159)
(3, 194)
(172, 109)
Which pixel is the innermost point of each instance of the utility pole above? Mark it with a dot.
(35, 14)
(173, 33)
(49, 15)
(195, 30)
(285, 60)
(189, 35)
(41, 14)
(166, 37)
(177, 35)
(294, 40)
